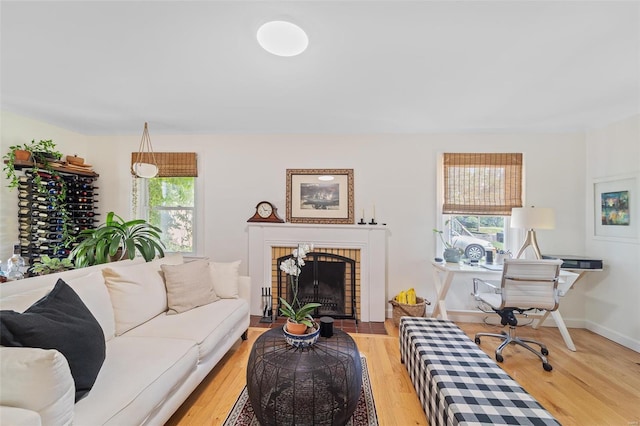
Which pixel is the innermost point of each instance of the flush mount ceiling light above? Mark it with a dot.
(282, 38)
(145, 165)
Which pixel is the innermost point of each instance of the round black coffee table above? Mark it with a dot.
(318, 385)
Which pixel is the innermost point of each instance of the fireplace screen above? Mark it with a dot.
(328, 279)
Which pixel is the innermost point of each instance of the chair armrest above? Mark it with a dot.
(495, 285)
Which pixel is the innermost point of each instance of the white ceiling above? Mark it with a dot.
(105, 67)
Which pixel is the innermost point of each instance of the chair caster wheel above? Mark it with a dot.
(544, 351)
(499, 358)
(477, 340)
(547, 366)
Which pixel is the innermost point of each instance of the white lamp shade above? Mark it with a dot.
(533, 218)
(145, 170)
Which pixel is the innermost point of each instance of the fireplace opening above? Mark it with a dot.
(328, 279)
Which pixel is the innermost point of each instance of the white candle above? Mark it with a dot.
(374, 212)
(362, 213)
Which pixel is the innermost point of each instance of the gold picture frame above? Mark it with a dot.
(323, 196)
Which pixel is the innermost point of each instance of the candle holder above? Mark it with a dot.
(373, 221)
(362, 222)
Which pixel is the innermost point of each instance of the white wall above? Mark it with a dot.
(612, 298)
(396, 172)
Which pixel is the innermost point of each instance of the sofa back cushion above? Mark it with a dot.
(94, 294)
(137, 292)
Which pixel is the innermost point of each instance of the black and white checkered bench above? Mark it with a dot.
(457, 383)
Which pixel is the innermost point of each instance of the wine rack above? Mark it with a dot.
(52, 210)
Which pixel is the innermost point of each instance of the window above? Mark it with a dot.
(479, 191)
(169, 200)
(171, 207)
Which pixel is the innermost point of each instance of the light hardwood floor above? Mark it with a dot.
(597, 385)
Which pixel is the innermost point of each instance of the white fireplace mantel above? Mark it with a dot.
(370, 240)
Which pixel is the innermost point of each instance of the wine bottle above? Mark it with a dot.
(43, 206)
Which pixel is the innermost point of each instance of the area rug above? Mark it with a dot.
(365, 414)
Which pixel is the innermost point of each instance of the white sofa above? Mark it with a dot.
(154, 360)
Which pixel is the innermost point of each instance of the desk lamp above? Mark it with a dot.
(530, 218)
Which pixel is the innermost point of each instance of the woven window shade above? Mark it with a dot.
(482, 184)
(171, 164)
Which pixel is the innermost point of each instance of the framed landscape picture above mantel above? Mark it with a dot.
(617, 208)
(322, 196)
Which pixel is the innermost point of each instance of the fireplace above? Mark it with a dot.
(326, 278)
(367, 245)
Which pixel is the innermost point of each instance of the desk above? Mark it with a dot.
(443, 274)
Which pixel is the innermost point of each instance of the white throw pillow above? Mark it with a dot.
(39, 380)
(188, 286)
(225, 278)
(137, 292)
(94, 294)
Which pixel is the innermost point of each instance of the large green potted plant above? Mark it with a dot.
(117, 239)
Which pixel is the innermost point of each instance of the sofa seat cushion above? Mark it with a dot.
(206, 325)
(138, 373)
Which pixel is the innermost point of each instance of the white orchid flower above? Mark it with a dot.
(290, 267)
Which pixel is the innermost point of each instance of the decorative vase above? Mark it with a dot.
(295, 328)
(451, 255)
(302, 340)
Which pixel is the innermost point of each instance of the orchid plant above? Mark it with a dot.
(293, 267)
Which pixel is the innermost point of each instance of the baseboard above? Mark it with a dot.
(613, 335)
(478, 317)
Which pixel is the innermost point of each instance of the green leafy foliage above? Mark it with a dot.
(447, 244)
(41, 151)
(49, 265)
(300, 316)
(117, 240)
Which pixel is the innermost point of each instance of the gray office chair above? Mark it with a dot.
(525, 285)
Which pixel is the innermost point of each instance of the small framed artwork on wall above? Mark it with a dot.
(320, 196)
(617, 208)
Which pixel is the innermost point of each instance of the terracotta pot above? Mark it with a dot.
(22, 155)
(295, 328)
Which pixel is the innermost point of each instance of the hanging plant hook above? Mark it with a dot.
(145, 165)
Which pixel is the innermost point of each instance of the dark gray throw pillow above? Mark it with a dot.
(61, 321)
